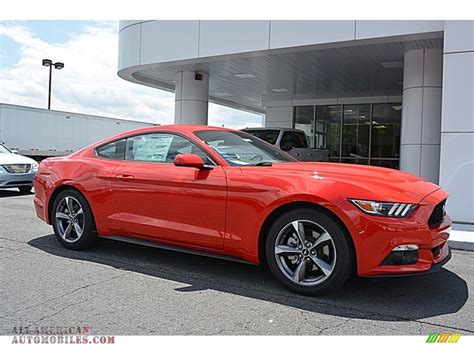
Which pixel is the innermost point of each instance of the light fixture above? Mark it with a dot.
(280, 90)
(172, 81)
(222, 94)
(47, 62)
(244, 76)
(392, 65)
(397, 107)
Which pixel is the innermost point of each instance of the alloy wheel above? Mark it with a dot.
(305, 252)
(69, 219)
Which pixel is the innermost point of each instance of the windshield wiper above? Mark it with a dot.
(263, 163)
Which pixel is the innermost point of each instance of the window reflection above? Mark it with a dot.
(329, 118)
(304, 120)
(356, 130)
(386, 131)
(366, 134)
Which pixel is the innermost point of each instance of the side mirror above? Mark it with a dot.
(191, 161)
(14, 151)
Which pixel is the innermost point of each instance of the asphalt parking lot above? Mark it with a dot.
(122, 289)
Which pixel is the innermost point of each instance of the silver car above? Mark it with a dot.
(16, 170)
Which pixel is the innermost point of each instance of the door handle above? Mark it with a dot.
(124, 177)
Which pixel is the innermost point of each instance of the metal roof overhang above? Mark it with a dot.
(345, 69)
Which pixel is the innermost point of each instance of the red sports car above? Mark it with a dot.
(226, 193)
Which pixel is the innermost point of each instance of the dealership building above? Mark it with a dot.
(398, 94)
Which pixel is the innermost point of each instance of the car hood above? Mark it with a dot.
(14, 159)
(361, 181)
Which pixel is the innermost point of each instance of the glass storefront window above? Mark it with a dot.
(355, 132)
(304, 120)
(329, 117)
(366, 134)
(386, 119)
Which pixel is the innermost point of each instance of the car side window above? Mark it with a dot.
(161, 148)
(114, 150)
(293, 140)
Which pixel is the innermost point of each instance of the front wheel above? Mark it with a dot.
(309, 252)
(72, 220)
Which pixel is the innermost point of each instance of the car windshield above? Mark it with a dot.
(4, 150)
(268, 135)
(240, 148)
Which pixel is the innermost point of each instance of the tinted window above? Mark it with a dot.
(304, 120)
(240, 148)
(268, 135)
(161, 148)
(114, 150)
(293, 140)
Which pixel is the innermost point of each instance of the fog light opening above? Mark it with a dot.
(402, 255)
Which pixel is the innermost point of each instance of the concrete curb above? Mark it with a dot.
(461, 240)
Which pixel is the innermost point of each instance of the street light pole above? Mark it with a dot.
(49, 90)
(58, 65)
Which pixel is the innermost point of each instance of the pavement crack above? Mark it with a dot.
(56, 312)
(64, 294)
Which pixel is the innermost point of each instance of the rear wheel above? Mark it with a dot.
(72, 220)
(25, 189)
(308, 251)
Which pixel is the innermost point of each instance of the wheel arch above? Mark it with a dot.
(277, 212)
(55, 194)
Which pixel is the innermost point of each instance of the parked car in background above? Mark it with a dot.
(220, 192)
(292, 141)
(16, 170)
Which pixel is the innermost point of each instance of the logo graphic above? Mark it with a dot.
(443, 338)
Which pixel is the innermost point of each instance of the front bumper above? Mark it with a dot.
(433, 269)
(8, 180)
(376, 237)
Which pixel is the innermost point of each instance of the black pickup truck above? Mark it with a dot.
(292, 141)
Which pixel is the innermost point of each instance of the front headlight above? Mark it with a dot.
(34, 168)
(387, 209)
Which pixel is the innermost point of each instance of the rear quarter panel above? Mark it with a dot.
(91, 176)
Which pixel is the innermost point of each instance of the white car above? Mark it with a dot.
(16, 170)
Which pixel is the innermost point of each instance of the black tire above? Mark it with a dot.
(25, 189)
(343, 263)
(89, 235)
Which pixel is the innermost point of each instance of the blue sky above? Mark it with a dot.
(50, 31)
(89, 81)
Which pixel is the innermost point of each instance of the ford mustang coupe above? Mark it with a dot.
(228, 194)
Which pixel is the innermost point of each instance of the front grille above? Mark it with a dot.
(437, 215)
(18, 183)
(17, 168)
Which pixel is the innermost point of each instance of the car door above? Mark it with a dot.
(160, 201)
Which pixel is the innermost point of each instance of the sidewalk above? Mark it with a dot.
(462, 237)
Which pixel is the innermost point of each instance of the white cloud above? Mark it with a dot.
(89, 82)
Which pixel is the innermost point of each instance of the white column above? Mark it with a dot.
(191, 98)
(279, 117)
(421, 113)
(457, 128)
